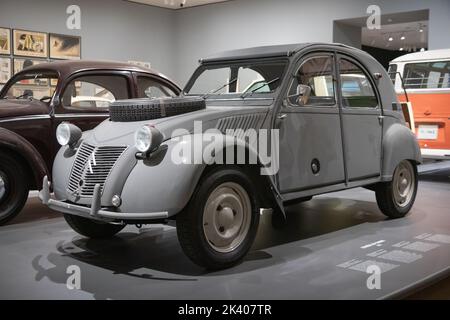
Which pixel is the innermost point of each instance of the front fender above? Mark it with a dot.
(399, 143)
(167, 180)
(14, 142)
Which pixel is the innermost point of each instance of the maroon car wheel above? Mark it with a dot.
(13, 187)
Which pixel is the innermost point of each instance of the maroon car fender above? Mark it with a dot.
(12, 141)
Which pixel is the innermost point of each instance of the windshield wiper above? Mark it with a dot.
(217, 90)
(250, 93)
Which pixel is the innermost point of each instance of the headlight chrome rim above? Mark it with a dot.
(63, 134)
(68, 134)
(143, 139)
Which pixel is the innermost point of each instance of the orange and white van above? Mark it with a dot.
(423, 78)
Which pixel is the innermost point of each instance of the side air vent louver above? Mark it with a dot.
(244, 122)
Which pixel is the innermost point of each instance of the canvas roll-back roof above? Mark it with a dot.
(285, 50)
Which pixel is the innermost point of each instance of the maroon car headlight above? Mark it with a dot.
(68, 134)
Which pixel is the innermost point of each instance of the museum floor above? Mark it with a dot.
(323, 253)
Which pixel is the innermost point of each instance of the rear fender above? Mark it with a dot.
(18, 145)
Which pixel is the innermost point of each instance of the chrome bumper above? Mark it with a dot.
(94, 212)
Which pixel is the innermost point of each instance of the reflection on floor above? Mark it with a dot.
(299, 261)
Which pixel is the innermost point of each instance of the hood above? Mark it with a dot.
(22, 107)
(109, 132)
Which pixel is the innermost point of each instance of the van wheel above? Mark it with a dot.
(219, 225)
(91, 228)
(396, 198)
(13, 187)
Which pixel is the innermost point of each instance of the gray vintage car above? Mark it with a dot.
(254, 130)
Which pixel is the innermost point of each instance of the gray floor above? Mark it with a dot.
(322, 253)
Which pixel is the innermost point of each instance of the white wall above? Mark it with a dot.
(173, 41)
(110, 29)
(245, 23)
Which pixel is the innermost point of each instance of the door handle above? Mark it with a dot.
(282, 116)
(380, 119)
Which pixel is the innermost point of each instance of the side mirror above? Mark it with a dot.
(303, 92)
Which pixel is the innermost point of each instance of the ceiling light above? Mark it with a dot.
(401, 49)
(420, 30)
(422, 50)
(402, 38)
(390, 39)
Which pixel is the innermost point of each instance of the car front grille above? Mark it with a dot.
(92, 166)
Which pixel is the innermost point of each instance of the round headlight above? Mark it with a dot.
(143, 139)
(68, 134)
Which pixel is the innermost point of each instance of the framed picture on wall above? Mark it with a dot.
(30, 43)
(65, 47)
(5, 41)
(22, 63)
(5, 69)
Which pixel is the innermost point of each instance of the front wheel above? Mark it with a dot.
(91, 228)
(396, 198)
(219, 225)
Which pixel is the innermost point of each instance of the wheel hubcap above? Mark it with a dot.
(403, 184)
(227, 217)
(2, 186)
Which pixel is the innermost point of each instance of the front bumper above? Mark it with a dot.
(94, 212)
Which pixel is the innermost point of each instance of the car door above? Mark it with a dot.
(311, 153)
(361, 120)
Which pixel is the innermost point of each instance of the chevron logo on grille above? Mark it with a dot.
(92, 162)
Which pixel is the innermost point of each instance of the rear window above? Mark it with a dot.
(427, 75)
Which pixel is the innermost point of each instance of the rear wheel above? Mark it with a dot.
(91, 228)
(396, 198)
(219, 225)
(13, 187)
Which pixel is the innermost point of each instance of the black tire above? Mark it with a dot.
(385, 194)
(91, 228)
(190, 229)
(13, 174)
(148, 109)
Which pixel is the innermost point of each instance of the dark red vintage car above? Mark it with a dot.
(37, 99)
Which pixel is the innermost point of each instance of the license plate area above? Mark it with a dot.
(428, 132)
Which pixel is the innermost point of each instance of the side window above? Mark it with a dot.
(313, 84)
(150, 88)
(427, 75)
(357, 91)
(392, 71)
(95, 92)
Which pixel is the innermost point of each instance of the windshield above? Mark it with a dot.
(252, 78)
(37, 85)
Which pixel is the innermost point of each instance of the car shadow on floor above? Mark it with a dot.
(155, 254)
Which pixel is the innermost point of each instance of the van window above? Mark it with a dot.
(427, 75)
(357, 91)
(392, 71)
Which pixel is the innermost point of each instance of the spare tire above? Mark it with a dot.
(147, 109)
